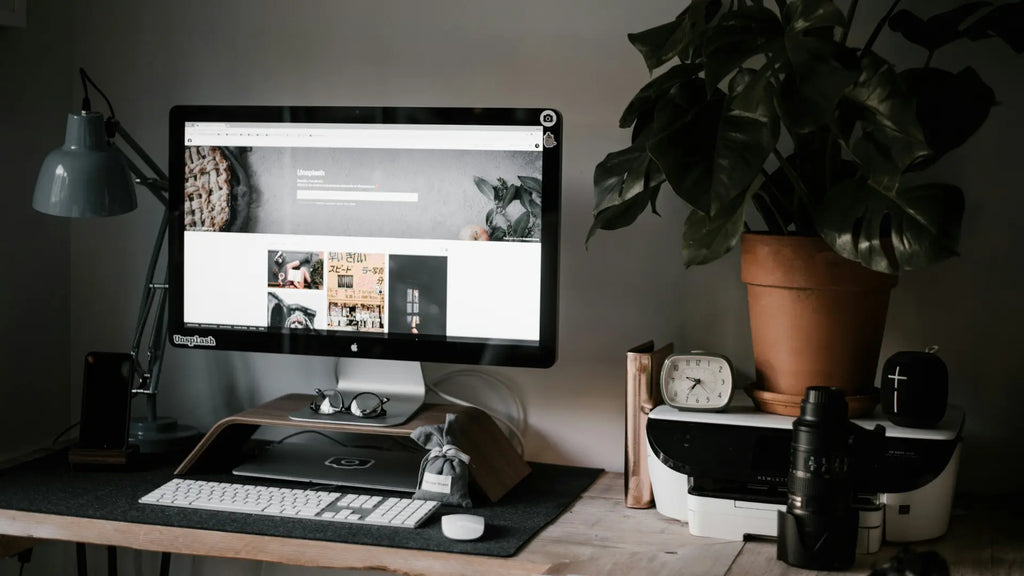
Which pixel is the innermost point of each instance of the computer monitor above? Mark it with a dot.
(382, 236)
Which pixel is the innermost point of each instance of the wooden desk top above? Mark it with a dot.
(598, 536)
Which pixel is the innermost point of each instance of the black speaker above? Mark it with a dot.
(915, 388)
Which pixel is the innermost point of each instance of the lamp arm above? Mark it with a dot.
(157, 186)
(149, 374)
(153, 294)
(140, 152)
(158, 340)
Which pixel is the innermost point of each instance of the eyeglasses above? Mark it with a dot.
(363, 405)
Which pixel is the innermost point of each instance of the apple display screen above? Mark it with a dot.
(418, 234)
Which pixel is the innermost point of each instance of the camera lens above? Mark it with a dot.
(819, 460)
(818, 530)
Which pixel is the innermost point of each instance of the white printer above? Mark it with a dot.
(724, 473)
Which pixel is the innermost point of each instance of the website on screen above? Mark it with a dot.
(380, 229)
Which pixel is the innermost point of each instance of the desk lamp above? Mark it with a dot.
(90, 176)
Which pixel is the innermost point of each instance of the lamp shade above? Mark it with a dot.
(86, 176)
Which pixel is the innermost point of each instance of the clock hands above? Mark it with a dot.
(683, 374)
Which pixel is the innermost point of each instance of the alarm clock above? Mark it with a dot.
(697, 381)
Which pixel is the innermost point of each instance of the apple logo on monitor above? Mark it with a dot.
(355, 347)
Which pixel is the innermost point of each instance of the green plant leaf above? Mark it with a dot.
(683, 155)
(738, 36)
(621, 190)
(1005, 21)
(938, 30)
(511, 194)
(610, 176)
(489, 218)
(654, 178)
(532, 184)
(855, 127)
(708, 238)
(791, 207)
(526, 200)
(891, 138)
(625, 174)
(679, 102)
(621, 214)
(652, 92)
(821, 70)
(950, 107)
(520, 225)
(681, 38)
(801, 15)
(699, 16)
(774, 202)
(929, 230)
(915, 226)
(484, 187)
(661, 43)
(747, 134)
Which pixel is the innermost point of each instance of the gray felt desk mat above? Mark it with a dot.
(49, 485)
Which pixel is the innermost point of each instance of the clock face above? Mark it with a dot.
(697, 381)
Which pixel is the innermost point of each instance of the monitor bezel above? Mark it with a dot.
(356, 344)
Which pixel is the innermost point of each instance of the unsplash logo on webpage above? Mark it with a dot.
(191, 341)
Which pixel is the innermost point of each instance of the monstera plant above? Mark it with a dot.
(770, 105)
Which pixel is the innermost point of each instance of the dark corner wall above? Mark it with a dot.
(36, 85)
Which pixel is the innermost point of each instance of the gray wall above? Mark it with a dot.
(571, 55)
(35, 89)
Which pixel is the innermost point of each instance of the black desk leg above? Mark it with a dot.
(111, 561)
(165, 564)
(83, 570)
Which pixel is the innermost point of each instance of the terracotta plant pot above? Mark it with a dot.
(816, 319)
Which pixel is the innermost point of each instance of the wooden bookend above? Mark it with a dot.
(643, 393)
(495, 466)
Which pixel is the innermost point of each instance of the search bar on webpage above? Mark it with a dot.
(357, 196)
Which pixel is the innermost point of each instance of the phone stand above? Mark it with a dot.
(102, 456)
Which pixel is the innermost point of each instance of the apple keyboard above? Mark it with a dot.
(326, 505)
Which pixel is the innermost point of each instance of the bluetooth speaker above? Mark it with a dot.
(915, 388)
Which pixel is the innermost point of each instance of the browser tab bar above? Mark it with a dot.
(367, 136)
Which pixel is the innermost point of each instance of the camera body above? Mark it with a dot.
(818, 529)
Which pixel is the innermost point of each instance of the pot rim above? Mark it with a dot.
(804, 262)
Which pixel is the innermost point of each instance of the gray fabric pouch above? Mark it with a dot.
(444, 471)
